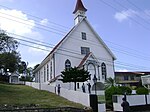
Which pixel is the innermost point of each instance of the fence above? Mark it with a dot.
(134, 101)
(75, 96)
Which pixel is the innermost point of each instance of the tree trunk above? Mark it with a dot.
(75, 86)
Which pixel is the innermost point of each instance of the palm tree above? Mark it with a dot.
(109, 82)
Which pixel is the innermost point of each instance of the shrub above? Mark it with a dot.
(109, 93)
(141, 91)
(125, 89)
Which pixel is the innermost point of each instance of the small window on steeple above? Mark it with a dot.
(83, 35)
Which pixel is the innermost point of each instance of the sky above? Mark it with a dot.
(38, 25)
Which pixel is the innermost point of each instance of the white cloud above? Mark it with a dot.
(44, 22)
(124, 15)
(14, 21)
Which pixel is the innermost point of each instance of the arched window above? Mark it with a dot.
(44, 74)
(51, 70)
(91, 69)
(67, 64)
(104, 73)
(47, 72)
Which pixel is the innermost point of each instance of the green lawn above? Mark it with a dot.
(20, 95)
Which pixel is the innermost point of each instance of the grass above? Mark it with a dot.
(20, 95)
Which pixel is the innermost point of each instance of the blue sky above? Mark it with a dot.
(124, 25)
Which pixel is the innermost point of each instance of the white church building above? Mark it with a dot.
(81, 47)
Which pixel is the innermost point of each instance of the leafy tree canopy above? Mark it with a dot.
(74, 75)
(22, 67)
(26, 78)
(109, 82)
(7, 43)
(9, 58)
(10, 61)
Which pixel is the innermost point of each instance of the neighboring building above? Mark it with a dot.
(14, 78)
(9, 77)
(81, 47)
(2, 71)
(130, 79)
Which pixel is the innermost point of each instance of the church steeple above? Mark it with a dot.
(79, 11)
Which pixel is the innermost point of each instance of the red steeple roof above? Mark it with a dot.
(79, 6)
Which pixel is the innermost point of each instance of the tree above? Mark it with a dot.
(9, 58)
(125, 90)
(30, 71)
(9, 61)
(36, 66)
(29, 76)
(22, 67)
(109, 82)
(7, 43)
(109, 92)
(74, 75)
(26, 78)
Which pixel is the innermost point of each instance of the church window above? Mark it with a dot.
(39, 78)
(47, 72)
(67, 64)
(51, 70)
(83, 35)
(104, 73)
(85, 50)
(44, 74)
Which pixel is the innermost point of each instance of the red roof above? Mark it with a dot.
(79, 6)
(84, 59)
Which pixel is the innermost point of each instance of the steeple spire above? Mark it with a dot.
(79, 6)
(79, 12)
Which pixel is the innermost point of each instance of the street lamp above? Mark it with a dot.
(95, 80)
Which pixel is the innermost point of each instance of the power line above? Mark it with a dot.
(54, 29)
(80, 40)
(117, 50)
(136, 7)
(132, 50)
(76, 53)
(118, 64)
(35, 26)
(125, 15)
(36, 17)
(76, 38)
(135, 13)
